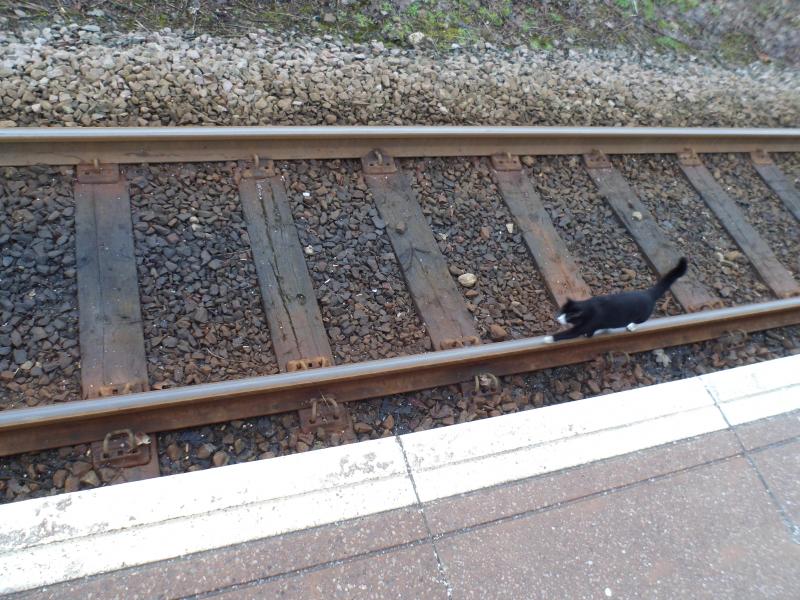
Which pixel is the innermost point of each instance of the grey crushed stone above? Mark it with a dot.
(762, 208)
(201, 304)
(366, 307)
(39, 346)
(689, 224)
(65, 76)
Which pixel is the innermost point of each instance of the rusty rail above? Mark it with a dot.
(37, 428)
(66, 146)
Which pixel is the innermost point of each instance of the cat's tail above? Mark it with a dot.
(666, 282)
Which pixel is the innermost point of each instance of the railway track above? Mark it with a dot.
(116, 392)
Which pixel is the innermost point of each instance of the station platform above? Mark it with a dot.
(688, 489)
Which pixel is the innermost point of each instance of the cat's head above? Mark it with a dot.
(570, 312)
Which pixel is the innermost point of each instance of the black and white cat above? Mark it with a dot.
(626, 309)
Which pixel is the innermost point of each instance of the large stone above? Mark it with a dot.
(468, 280)
(497, 332)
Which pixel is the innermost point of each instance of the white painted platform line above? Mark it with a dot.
(756, 391)
(483, 453)
(48, 540)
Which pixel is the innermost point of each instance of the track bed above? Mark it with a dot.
(256, 268)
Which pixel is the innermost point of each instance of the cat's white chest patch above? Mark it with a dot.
(562, 318)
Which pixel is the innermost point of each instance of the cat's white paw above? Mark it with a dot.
(548, 339)
(631, 327)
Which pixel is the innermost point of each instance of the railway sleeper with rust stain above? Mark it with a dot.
(113, 361)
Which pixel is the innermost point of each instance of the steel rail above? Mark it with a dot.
(38, 428)
(131, 145)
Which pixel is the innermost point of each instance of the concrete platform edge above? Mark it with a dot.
(59, 538)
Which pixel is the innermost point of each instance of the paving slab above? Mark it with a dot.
(488, 452)
(684, 489)
(110, 528)
(756, 391)
(489, 504)
(780, 467)
(710, 532)
(247, 562)
(405, 574)
(771, 430)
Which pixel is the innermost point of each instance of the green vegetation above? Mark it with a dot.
(362, 21)
(490, 16)
(671, 43)
(649, 8)
(737, 47)
(659, 24)
(540, 43)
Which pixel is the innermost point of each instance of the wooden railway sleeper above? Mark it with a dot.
(258, 168)
(324, 415)
(118, 389)
(327, 401)
(97, 172)
(379, 162)
(689, 158)
(597, 160)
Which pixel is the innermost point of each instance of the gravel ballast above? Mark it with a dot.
(691, 226)
(249, 439)
(39, 349)
(201, 304)
(72, 76)
(469, 220)
(608, 257)
(203, 315)
(367, 310)
(761, 207)
(68, 469)
(174, 206)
